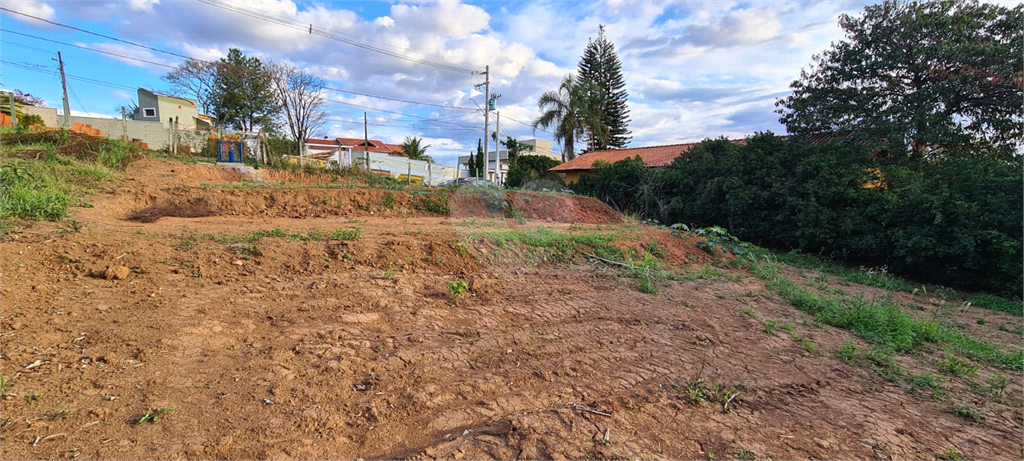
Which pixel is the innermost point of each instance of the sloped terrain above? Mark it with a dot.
(286, 320)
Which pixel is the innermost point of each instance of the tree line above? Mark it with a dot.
(905, 153)
(245, 93)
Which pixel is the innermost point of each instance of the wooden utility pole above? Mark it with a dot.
(497, 148)
(487, 113)
(124, 126)
(64, 83)
(14, 111)
(366, 142)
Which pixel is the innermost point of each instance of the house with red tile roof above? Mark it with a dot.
(653, 157)
(342, 148)
(659, 156)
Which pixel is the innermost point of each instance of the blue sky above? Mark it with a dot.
(693, 69)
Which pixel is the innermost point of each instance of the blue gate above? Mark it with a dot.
(229, 151)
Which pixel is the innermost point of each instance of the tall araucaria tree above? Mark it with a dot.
(600, 65)
(933, 79)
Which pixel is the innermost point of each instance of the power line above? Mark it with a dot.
(391, 125)
(94, 33)
(322, 33)
(528, 124)
(82, 47)
(243, 11)
(116, 85)
(397, 99)
(400, 113)
(73, 77)
(189, 58)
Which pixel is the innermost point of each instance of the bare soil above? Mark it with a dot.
(285, 348)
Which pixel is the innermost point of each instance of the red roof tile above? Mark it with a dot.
(654, 156)
(324, 142)
(356, 144)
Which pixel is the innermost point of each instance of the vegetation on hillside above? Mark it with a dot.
(950, 221)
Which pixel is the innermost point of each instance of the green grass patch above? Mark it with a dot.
(872, 277)
(995, 303)
(886, 325)
(44, 189)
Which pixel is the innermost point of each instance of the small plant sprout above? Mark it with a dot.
(5, 385)
(745, 454)
(153, 416)
(957, 367)
(457, 287)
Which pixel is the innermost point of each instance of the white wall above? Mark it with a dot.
(400, 165)
(152, 133)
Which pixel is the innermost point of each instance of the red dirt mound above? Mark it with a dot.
(185, 202)
(560, 208)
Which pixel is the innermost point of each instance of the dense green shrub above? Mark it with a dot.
(953, 221)
(627, 185)
(531, 167)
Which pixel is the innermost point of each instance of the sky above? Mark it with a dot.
(693, 69)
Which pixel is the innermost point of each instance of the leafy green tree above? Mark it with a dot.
(573, 110)
(600, 65)
(627, 185)
(481, 167)
(471, 164)
(935, 78)
(414, 149)
(243, 95)
(953, 221)
(532, 167)
(514, 149)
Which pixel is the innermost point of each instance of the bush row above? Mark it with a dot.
(952, 221)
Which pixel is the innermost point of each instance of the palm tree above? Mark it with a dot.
(411, 148)
(573, 110)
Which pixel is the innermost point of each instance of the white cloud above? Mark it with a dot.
(33, 8)
(447, 18)
(692, 69)
(142, 6)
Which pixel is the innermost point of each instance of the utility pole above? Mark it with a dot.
(497, 148)
(492, 104)
(366, 142)
(14, 111)
(64, 83)
(487, 113)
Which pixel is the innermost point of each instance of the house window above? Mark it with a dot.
(149, 112)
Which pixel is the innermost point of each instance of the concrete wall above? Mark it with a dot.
(397, 166)
(153, 133)
(49, 115)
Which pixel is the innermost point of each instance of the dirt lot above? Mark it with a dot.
(299, 345)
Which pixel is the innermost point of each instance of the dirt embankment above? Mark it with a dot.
(298, 344)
